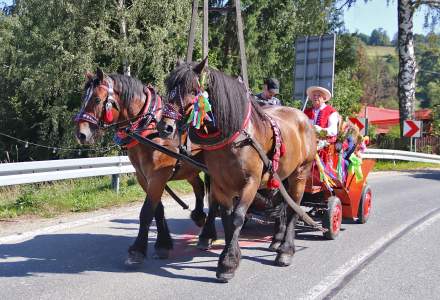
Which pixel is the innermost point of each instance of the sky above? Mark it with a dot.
(364, 17)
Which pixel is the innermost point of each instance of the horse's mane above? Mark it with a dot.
(228, 96)
(130, 88)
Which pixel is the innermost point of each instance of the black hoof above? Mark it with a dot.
(274, 246)
(134, 258)
(204, 243)
(283, 259)
(224, 277)
(161, 253)
(198, 217)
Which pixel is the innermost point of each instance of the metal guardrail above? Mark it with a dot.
(51, 170)
(401, 155)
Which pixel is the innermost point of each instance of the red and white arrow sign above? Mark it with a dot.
(361, 123)
(412, 128)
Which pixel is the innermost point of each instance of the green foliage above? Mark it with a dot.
(379, 37)
(47, 46)
(51, 199)
(387, 165)
(271, 28)
(346, 94)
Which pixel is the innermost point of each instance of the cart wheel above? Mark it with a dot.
(364, 205)
(332, 218)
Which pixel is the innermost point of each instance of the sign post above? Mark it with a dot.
(314, 64)
(412, 129)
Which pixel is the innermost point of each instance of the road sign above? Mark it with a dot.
(314, 63)
(361, 123)
(412, 128)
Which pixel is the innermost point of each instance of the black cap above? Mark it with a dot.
(273, 85)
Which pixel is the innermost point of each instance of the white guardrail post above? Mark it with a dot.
(51, 170)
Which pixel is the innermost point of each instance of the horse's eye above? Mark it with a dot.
(97, 100)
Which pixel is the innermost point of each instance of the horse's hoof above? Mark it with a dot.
(134, 258)
(274, 246)
(161, 253)
(224, 277)
(283, 259)
(199, 218)
(204, 244)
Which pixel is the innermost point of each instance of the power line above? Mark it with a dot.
(56, 149)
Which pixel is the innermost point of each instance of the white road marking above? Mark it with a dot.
(319, 290)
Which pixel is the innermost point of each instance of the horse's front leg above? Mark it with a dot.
(198, 215)
(138, 251)
(154, 189)
(209, 233)
(164, 243)
(233, 221)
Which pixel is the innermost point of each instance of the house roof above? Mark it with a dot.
(384, 118)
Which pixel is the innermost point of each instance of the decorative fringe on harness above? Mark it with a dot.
(279, 151)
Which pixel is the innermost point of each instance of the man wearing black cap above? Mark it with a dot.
(270, 89)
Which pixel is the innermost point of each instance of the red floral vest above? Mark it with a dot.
(323, 115)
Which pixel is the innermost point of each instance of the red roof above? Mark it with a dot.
(380, 116)
(384, 118)
(424, 114)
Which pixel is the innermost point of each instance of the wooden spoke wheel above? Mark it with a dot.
(332, 218)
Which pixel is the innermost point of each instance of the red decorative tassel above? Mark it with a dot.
(108, 116)
(273, 183)
(282, 149)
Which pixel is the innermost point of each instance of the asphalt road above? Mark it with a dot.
(394, 256)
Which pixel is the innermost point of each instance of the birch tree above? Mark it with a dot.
(405, 43)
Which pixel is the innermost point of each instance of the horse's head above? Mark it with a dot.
(183, 85)
(100, 106)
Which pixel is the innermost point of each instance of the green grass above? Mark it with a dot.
(380, 51)
(387, 165)
(52, 199)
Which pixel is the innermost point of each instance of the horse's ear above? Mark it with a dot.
(201, 66)
(100, 74)
(89, 75)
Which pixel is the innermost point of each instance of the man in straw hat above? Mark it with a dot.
(322, 115)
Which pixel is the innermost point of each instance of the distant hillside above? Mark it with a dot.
(380, 51)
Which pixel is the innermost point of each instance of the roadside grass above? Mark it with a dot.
(380, 51)
(387, 165)
(79, 195)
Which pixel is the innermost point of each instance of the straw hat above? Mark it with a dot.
(324, 91)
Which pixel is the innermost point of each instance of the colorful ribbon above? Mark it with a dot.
(356, 167)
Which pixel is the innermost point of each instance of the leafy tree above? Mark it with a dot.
(407, 61)
(379, 37)
(46, 47)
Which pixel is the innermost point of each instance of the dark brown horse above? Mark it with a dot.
(124, 102)
(228, 136)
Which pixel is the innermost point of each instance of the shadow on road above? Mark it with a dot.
(78, 253)
(427, 174)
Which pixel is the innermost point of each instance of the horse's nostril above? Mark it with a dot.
(169, 129)
(82, 137)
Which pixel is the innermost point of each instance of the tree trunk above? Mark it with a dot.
(407, 61)
(123, 32)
